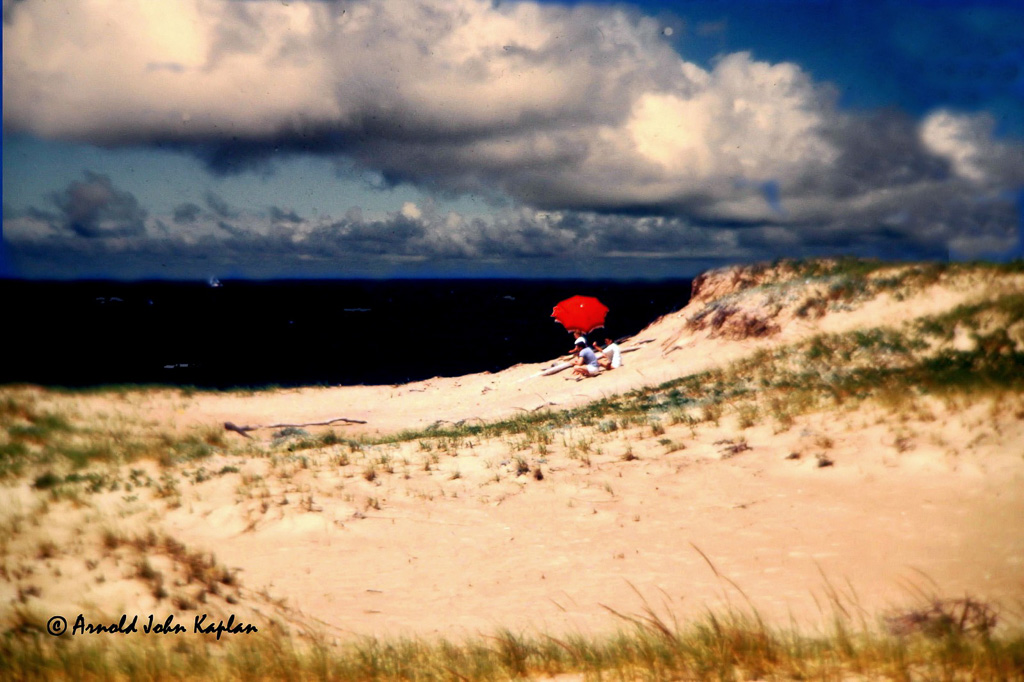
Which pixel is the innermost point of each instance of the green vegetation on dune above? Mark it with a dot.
(861, 268)
(723, 646)
(34, 434)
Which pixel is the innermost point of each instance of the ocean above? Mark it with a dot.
(241, 333)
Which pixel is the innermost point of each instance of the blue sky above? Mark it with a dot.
(259, 138)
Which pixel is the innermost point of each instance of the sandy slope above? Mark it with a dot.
(666, 350)
(451, 540)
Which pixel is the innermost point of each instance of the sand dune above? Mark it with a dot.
(863, 506)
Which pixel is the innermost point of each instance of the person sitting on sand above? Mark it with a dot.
(609, 357)
(586, 364)
(581, 342)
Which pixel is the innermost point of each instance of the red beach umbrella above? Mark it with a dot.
(580, 313)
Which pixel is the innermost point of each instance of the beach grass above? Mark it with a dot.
(730, 645)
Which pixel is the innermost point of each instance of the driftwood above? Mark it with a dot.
(555, 369)
(243, 430)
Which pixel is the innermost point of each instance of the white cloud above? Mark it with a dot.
(411, 211)
(520, 84)
(956, 138)
(967, 142)
(749, 119)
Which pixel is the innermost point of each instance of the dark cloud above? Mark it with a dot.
(94, 208)
(397, 236)
(226, 156)
(234, 230)
(280, 215)
(187, 213)
(219, 206)
(935, 217)
(881, 149)
(520, 241)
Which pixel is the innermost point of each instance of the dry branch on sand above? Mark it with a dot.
(243, 430)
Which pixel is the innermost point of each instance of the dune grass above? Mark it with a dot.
(734, 645)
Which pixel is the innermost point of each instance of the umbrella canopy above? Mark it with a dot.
(580, 313)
